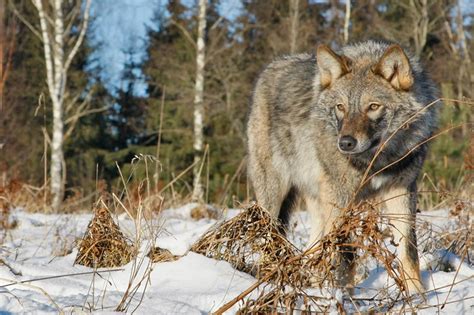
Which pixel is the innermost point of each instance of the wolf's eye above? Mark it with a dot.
(374, 106)
(340, 107)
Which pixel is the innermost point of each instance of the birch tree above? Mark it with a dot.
(347, 18)
(58, 59)
(198, 101)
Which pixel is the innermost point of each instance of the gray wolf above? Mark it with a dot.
(316, 123)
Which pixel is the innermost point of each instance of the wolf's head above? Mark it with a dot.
(368, 90)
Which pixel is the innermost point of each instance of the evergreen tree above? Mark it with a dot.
(128, 113)
(124, 124)
(236, 52)
(169, 69)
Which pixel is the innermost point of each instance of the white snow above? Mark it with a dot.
(43, 246)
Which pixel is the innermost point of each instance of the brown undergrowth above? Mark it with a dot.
(158, 255)
(103, 244)
(456, 237)
(251, 242)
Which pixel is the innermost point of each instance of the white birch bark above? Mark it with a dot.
(53, 38)
(347, 19)
(57, 154)
(198, 192)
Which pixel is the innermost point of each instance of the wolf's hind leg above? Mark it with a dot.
(289, 202)
(401, 210)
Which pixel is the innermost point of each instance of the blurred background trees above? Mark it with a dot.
(124, 120)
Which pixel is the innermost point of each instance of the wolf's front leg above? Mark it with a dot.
(324, 212)
(318, 221)
(401, 210)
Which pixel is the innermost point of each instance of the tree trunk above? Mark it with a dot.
(419, 11)
(347, 18)
(198, 103)
(2, 47)
(294, 19)
(53, 45)
(57, 155)
(53, 37)
(465, 59)
(465, 76)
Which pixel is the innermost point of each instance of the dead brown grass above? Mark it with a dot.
(6, 206)
(103, 244)
(203, 211)
(251, 242)
(15, 193)
(19, 194)
(459, 237)
(158, 255)
(456, 237)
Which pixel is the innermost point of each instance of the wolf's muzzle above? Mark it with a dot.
(347, 143)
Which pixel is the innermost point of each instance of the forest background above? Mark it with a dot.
(147, 109)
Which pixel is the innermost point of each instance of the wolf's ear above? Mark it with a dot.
(394, 67)
(331, 65)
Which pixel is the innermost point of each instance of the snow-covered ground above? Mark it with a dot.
(43, 246)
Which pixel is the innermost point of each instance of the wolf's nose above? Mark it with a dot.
(347, 143)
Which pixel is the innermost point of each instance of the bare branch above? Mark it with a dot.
(71, 17)
(216, 23)
(69, 106)
(185, 33)
(25, 21)
(72, 121)
(82, 34)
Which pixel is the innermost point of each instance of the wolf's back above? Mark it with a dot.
(282, 94)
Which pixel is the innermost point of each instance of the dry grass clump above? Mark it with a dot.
(203, 211)
(4, 212)
(461, 238)
(158, 254)
(250, 242)
(103, 244)
(284, 279)
(323, 264)
(6, 206)
(19, 194)
(457, 237)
